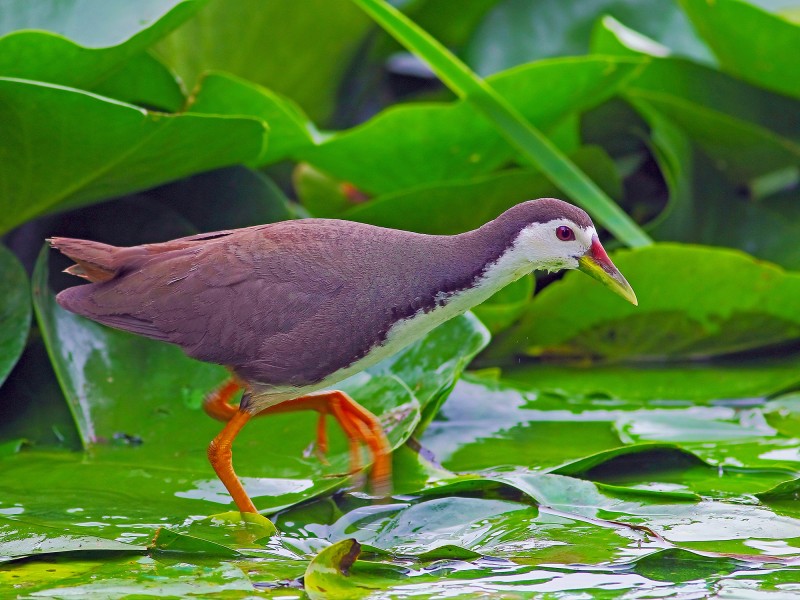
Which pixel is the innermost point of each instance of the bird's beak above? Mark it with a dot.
(596, 263)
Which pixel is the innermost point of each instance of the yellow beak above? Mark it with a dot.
(596, 263)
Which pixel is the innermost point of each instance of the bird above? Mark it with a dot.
(292, 308)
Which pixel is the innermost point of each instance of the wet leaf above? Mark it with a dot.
(674, 564)
(784, 414)
(20, 538)
(680, 381)
(326, 574)
(169, 541)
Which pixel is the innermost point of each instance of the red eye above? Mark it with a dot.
(565, 234)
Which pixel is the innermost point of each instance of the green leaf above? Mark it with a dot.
(20, 538)
(506, 119)
(260, 42)
(145, 82)
(326, 574)
(705, 89)
(234, 529)
(749, 42)
(15, 311)
(456, 206)
(734, 378)
(434, 143)
(322, 195)
(290, 130)
(744, 150)
(675, 564)
(127, 149)
(702, 199)
(516, 31)
(784, 414)
(646, 446)
(694, 302)
(116, 72)
(168, 541)
(746, 130)
(486, 424)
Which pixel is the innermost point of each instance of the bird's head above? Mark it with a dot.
(552, 235)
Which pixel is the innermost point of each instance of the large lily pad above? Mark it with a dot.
(693, 302)
(128, 148)
(489, 425)
(19, 538)
(15, 311)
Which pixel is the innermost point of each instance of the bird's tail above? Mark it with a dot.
(93, 260)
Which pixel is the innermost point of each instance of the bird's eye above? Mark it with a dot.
(564, 233)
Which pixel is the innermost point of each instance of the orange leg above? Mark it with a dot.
(359, 425)
(219, 453)
(217, 403)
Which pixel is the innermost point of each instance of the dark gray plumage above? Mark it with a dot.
(291, 302)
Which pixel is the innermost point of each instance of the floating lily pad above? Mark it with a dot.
(326, 574)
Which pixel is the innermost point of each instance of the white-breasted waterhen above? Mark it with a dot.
(292, 308)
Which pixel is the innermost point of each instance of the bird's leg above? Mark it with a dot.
(219, 453)
(217, 403)
(359, 425)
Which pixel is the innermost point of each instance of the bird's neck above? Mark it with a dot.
(491, 259)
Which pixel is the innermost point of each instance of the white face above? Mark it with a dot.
(554, 245)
